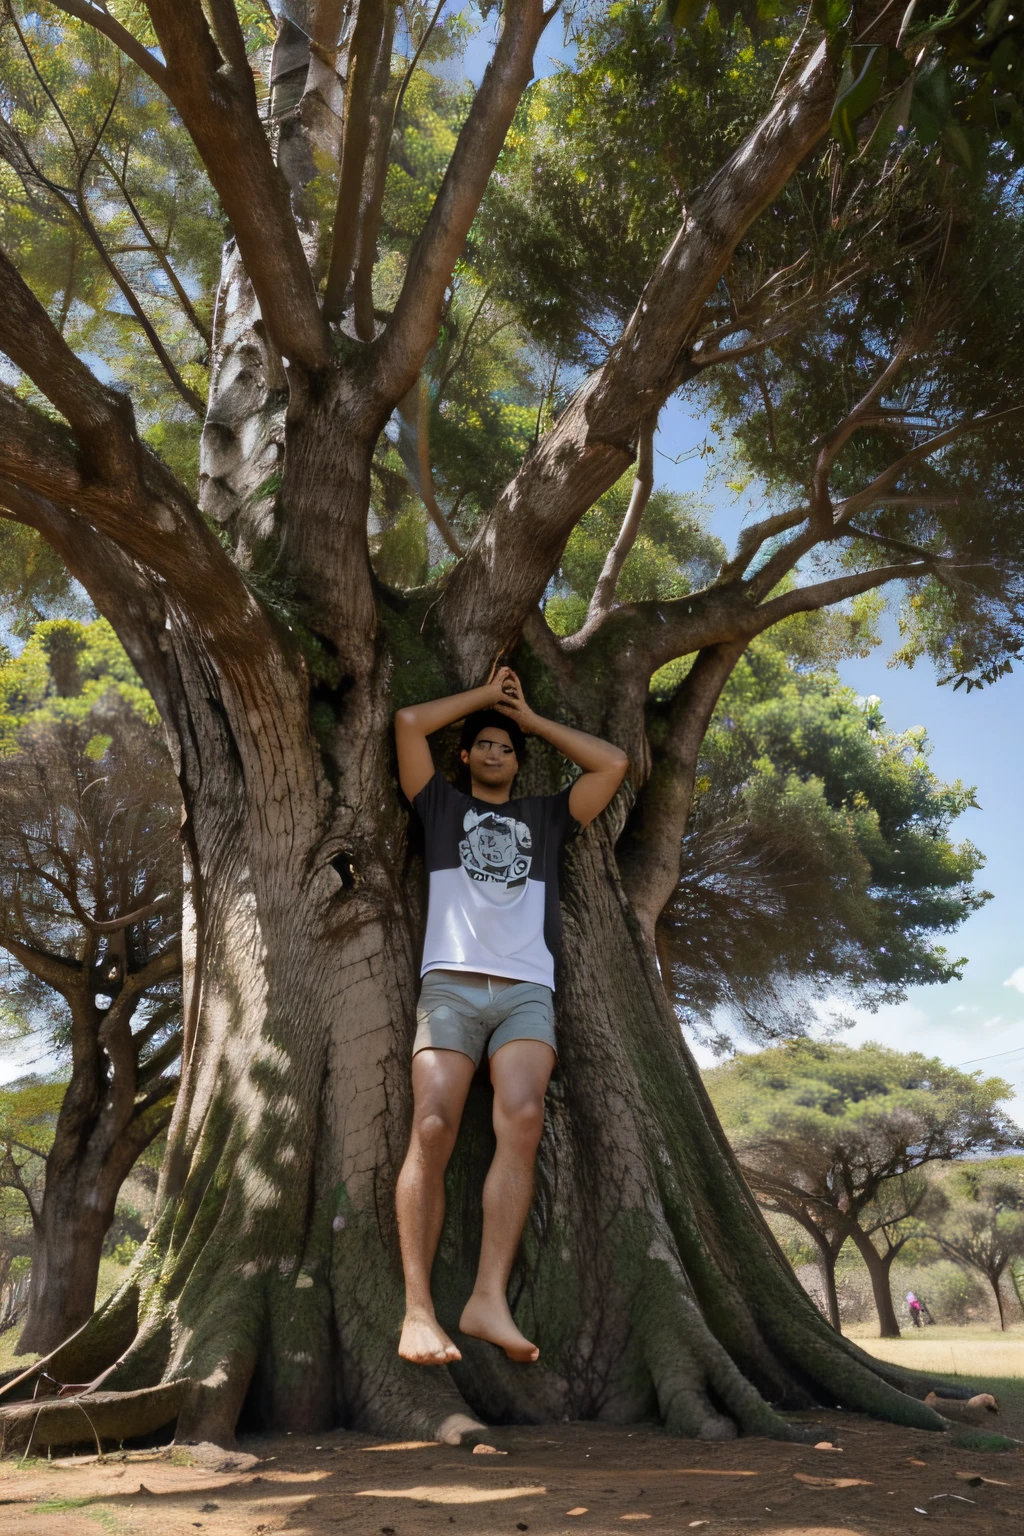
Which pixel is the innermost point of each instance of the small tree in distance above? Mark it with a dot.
(90, 881)
(981, 1219)
(834, 1137)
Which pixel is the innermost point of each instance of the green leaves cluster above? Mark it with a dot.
(819, 864)
(73, 673)
(673, 554)
(955, 78)
(96, 173)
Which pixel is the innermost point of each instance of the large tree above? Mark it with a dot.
(277, 655)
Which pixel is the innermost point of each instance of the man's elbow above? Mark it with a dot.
(405, 719)
(621, 764)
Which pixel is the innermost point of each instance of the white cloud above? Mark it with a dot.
(1016, 980)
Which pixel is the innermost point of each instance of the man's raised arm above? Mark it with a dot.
(604, 765)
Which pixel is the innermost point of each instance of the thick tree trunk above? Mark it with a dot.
(993, 1280)
(271, 1279)
(97, 1139)
(878, 1269)
(66, 1251)
(270, 1282)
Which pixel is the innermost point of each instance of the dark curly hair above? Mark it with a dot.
(481, 719)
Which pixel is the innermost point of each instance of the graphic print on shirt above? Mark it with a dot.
(495, 848)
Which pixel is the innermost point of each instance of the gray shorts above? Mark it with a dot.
(464, 1011)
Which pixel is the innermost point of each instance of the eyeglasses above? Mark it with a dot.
(482, 741)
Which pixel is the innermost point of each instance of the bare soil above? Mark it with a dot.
(554, 1479)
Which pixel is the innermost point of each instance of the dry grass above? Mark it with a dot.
(981, 1358)
(966, 1352)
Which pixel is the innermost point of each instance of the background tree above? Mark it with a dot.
(27, 1116)
(90, 875)
(980, 1221)
(834, 1137)
(276, 656)
(818, 861)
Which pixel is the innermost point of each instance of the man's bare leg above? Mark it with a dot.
(440, 1083)
(519, 1072)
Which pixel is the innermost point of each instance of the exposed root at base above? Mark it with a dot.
(99, 1416)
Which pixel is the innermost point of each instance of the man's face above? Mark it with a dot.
(492, 759)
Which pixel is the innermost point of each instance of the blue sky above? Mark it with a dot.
(976, 737)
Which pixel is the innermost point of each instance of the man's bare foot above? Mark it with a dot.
(425, 1342)
(489, 1319)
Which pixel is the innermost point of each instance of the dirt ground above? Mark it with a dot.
(554, 1479)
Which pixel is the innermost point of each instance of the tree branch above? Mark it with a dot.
(593, 441)
(227, 34)
(93, 16)
(162, 1057)
(187, 393)
(14, 1180)
(64, 976)
(425, 473)
(649, 852)
(152, 245)
(604, 592)
(877, 490)
(401, 350)
(855, 419)
(362, 64)
(751, 539)
(412, 66)
(375, 183)
(824, 594)
(100, 418)
(219, 109)
(890, 543)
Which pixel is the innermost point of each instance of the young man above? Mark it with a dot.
(488, 982)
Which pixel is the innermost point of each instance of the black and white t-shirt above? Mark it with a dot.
(493, 872)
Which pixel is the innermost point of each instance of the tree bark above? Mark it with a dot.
(271, 1274)
(993, 1281)
(878, 1268)
(102, 1127)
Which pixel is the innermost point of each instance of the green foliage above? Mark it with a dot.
(954, 78)
(981, 1221)
(34, 582)
(883, 1112)
(599, 159)
(69, 672)
(28, 1113)
(673, 554)
(28, 1117)
(126, 1250)
(111, 174)
(837, 1137)
(819, 853)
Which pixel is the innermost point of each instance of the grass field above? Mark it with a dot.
(966, 1357)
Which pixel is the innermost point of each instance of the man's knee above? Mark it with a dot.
(435, 1133)
(521, 1122)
